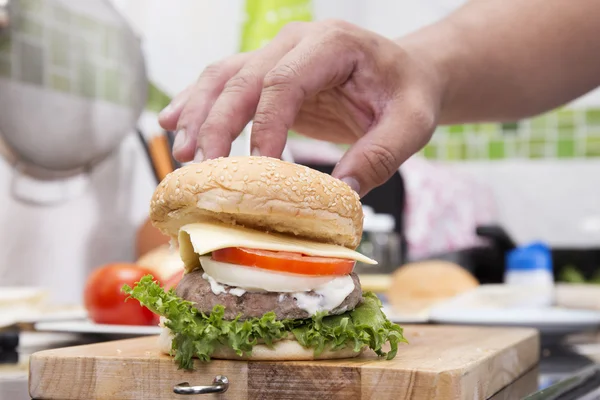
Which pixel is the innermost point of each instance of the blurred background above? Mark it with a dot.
(490, 224)
(80, 87)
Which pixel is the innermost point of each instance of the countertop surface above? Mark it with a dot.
(558, 363)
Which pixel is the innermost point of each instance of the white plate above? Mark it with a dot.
(507, 305)
(89, 327)
(549, 321)
(24, 313)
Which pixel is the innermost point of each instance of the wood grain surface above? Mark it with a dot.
(441, 362)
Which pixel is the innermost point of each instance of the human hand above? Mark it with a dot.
(327, 80)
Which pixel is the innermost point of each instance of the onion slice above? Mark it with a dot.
(254, 279)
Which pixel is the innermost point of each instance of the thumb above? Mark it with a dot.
(376, 156)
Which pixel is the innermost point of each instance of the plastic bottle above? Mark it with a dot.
(379, 242)
(530, 268)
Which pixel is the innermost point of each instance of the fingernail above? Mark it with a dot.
(166, 111)
(199, 156)
(180, 140)
(353, 183)
(255, 152)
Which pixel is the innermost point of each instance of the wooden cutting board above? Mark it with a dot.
(441, 362)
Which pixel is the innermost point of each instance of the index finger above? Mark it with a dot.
(318, 62)
(200, 101)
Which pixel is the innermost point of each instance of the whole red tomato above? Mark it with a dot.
(105, 302)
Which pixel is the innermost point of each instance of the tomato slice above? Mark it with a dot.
(284, 262)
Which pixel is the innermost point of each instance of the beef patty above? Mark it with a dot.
(196, 289)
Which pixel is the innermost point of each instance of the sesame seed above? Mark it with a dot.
(222, 178)
(245, 178)
(294, 188)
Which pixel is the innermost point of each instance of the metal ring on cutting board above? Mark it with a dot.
(219, 385)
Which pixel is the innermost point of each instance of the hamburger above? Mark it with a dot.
(269, 249)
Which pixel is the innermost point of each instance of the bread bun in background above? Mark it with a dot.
(148, 238)
(415, 287)
(260, 193)
(163, 261)
(376, 283)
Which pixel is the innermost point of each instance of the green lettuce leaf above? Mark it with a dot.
(197, 334)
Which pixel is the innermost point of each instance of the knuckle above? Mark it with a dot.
(337, 23)
(281, 76)
(382, 162)
(186, 118)
(340, 40)
(292, 27)
(338, 34)
(213, 70)
(423, 117)
(240, 82)
(263, 119)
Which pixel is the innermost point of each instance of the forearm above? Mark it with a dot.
(505, 60)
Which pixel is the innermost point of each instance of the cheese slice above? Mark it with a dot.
(204, 237)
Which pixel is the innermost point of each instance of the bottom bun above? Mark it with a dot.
(283, 350)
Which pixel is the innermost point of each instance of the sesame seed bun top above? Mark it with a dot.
(260, 193)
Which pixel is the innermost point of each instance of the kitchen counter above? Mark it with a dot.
(557, 364)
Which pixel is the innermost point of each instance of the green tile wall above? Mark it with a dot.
(564, 133)
(52, 46)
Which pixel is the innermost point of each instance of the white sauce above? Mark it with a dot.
(237, 291)
(281, 297)
(215, 286)
(329, 296)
